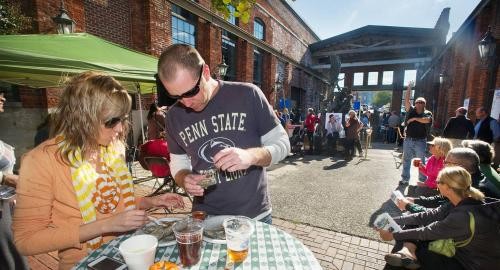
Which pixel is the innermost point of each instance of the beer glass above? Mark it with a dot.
(238, 231)
(189, 235)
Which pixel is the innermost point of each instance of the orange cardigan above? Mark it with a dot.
(47, 216)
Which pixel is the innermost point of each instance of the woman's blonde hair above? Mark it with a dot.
(443, 146)
(89, 100)
(459, 180)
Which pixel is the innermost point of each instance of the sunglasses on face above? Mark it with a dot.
(419, 102)
(111, 123)
(191, 93)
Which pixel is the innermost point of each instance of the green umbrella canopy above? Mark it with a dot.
(41, 61)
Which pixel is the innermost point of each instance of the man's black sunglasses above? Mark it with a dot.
(111, 123)
(191, 93)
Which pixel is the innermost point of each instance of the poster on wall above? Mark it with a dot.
(338, 117)
(495, 106)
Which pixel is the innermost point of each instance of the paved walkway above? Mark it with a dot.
(338, 250)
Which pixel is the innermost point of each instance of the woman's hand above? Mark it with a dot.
(125, 221)
(385, 235)
(168, 200)
(11, 179)
(402, 204)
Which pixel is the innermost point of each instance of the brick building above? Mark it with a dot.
(271, 50)
(457, 75)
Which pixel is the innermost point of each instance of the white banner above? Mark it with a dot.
(495, 106)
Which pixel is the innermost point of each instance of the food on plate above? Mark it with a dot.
(215, 233)
(164, 265)
(163, 232)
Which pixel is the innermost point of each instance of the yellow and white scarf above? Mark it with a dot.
(85, 177)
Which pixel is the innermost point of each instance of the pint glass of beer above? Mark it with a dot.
(238, 231)
(189, 235)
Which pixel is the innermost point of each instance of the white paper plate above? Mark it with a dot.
(211, 223)
(161, 243)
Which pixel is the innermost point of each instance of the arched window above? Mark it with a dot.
(183, 26)
(258, 29)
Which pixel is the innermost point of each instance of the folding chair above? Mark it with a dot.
(155, 157)
(160, 169)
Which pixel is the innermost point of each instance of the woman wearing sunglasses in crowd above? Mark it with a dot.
(75, 191)
(472, 224)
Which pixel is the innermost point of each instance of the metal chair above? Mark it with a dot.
(160, 169)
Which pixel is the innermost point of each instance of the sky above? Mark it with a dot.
(328, 18)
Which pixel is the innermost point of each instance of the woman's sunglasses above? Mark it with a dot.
(191, 93)
(111, 123)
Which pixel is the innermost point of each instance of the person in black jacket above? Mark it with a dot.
(450, 221)
(459, 127)
(486, 128)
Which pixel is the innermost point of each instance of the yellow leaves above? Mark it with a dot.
(242, 8)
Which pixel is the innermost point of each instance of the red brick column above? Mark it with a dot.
(244, 61)
(209, 44)
(158, 26)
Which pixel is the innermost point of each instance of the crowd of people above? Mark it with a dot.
(451, 217)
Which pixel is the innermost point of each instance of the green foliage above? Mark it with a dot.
(381, 98)
(243, 8)
(12, 20)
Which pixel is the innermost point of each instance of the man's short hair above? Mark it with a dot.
(465, 157)
(310, 110)
(179, 56)
(462, 110)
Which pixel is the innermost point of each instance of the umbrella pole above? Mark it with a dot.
(140, 112)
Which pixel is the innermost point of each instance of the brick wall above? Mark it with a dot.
(159, 26)
(45, 10)
(109, 19)
(138, 24)
(466, 75)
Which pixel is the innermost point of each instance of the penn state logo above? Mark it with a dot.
(210, 148)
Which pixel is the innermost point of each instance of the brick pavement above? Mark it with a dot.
(335, 250)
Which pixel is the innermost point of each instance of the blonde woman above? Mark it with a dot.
(75, 191)
(451, 220)
(439, 148)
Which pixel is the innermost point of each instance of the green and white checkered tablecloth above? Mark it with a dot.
(270, 248)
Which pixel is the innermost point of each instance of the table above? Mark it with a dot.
(270, 248)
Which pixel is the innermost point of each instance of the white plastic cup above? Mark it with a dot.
(139, 251)
(238, 231)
